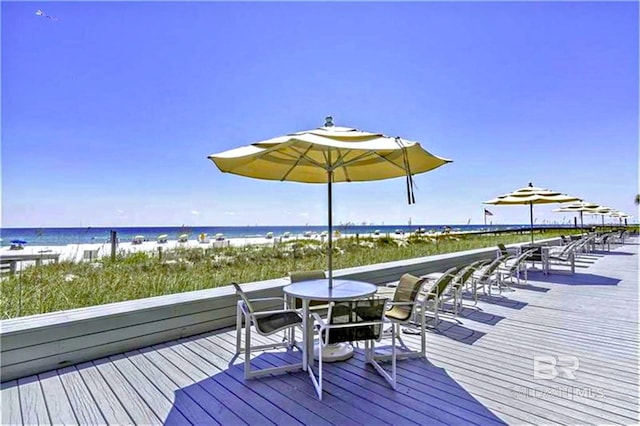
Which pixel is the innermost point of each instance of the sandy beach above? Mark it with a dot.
(82, 252)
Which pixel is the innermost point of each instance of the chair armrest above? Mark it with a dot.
(279, 311)
(263, 299)
(401, 303)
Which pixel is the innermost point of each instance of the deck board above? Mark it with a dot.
(191, 408)
(58, 404)
(479, 369)
(136, 406)
(11, 414)
(102, 402)
(32, 403)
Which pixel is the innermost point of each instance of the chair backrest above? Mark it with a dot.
(442, 283)
(568, 249)
(316, 274)
(503, 249)
(491, 268)
(407, 291)
(467, 271)
(306, 275)
(357, 320)
(522, 258)
(244, 297)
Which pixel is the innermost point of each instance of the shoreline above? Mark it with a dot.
(80, 252)
(76, 252)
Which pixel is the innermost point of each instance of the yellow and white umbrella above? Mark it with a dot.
(601, 211)
(579, 207)
(330, 154)
(620, 215)
(532, 195)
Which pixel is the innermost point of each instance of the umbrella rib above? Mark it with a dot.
(302, 155)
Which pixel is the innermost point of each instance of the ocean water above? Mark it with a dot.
(64, 236)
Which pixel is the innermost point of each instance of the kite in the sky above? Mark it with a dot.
(44, 15)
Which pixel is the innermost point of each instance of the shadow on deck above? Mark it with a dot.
(578, 278)
(353, 394)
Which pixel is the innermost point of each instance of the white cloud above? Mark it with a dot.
(196, 212)
(229, 213)
(120, 211)
(305, 215)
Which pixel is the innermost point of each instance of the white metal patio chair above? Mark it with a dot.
(266, 323)
(357, 320)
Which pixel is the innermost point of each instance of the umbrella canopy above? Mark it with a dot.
(330, 154)
(602, 211)
(532, 195)
(620, 216)
(579, 207)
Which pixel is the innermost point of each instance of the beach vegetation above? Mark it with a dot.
(66, 285)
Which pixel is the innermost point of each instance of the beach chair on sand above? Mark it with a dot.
(183, 238)
(17, 244)
(266, 323)
(90, 255)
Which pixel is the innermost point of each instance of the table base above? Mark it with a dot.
(334, 353)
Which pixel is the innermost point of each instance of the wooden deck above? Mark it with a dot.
(479, 370)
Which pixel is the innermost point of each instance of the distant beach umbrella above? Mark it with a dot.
(620, 216)
(601, 211)
(330, 154)
(532, 195)
(579, 207)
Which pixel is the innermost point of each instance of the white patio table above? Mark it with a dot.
(319, 290)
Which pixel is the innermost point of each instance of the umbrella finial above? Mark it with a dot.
(328, 121)
(530, 185)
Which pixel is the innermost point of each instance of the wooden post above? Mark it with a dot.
(114, 240)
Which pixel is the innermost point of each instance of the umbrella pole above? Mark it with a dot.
(581, 225)
(330, 241)
(531, 219)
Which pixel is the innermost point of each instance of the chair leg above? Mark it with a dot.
(238, 330)
(247, 348)
(393, 358)
(423, 334)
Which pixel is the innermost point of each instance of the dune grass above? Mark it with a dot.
(65, 285)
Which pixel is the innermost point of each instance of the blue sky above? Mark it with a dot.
(109, 112)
